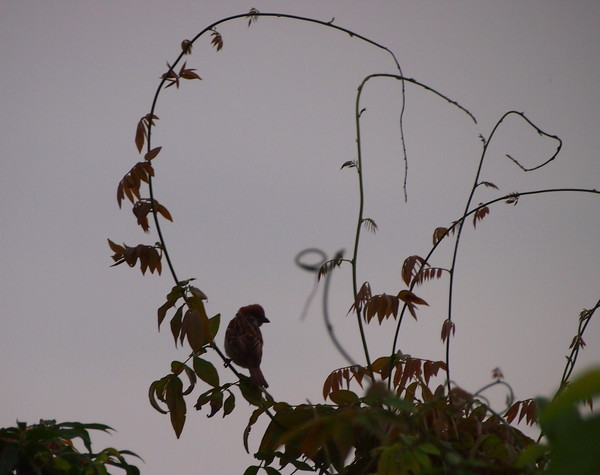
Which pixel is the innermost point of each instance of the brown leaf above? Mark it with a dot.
(408, 267)
(116, 247)
(427, 273)
(447, 328)
(140, 135)
(217, 40)
(408, 297)
(186, 46)
(129, 186)
(140, 210)
(480, 214)
(164, 212)
(363, 295)
(382, 306)
(438, 234)
(189, 74)
(152, 153)
(489, 184)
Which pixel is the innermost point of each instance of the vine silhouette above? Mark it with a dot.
(401, 424)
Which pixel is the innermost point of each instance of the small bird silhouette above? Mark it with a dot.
(244, 342)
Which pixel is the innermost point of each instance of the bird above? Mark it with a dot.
(244, 342)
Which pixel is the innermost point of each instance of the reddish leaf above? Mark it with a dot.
(447, 328)
(217, 40)
(480, 214)
(408, 267)
(140, 135)
(438, 234)
(152, 153)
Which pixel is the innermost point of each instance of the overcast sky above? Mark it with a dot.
(250, 170)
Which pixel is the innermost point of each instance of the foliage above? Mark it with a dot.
(48, 448)
(412, 418)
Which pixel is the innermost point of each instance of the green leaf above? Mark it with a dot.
(216, 402)
(343, 396)
(252, 470)
(584, 387)
(176, 403)
(175, 323)
(206, 371)
(229, 404)
(250, 391)
(213, 325)
(156, 389)
(172, 298)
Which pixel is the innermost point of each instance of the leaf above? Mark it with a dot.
(253, 16)
(427, 273)
(408, 268)
(148, 256)
(155, 390)
(438, 234)
(343, 397)
(175, 324)
(141, 131)
(217, 40)
(250, 391)
(512, 199)
(488, 184)
(369, 225)
(362, 297)
(141, 209)
(195, 328)
(409, 298)
(176, 293)
(229, 404)
(214, 324)
(349, 164)
(448, 327)
(186, 47)
(216, 403)
(176, 403)
(206, 371)
(129, 186)
(480, 214)
(115, 247)
(152, 153)
(140, 135)
(164, 212)
(382, 306)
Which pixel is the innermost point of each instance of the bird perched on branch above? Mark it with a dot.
(244, 342)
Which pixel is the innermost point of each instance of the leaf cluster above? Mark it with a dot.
(48, 448)
(419, 431)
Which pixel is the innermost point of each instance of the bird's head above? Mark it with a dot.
(254, 313)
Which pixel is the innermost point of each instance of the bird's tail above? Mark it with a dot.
(257, 377)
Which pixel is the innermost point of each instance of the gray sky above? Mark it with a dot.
(250, 171)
